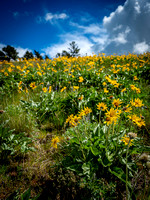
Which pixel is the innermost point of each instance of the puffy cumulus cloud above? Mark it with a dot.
(141, 47)
(83, 43)
(127, 28)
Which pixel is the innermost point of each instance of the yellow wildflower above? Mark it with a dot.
(54, 142)
(116, 103)
(137, 103)
(64, 88)
(137, 120)
(112, 115)
(75, 88)
(123, 90)
(80, 98)
(135, 78)
(104, 83)
(127, 109)
(105, 90)
(50, 89)
(44, 89)
(26, 90)
(39, 73)
(32, 85)
(126, 140)
(87, 110)
(81, 79)
(101, 106)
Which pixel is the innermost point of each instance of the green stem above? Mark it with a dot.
(79, 139)
(100, 117)
(127, 191)
(113, 127)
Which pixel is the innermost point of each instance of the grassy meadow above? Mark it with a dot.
(75, 128)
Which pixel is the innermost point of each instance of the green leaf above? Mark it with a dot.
(104, 161)
(118, 172)
(95, 151)
(74, 140)
(86, 169)
(26, 195)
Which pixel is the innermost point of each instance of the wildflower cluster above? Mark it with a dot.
(73, 120)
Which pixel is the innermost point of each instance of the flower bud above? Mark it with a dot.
(132, 135)
(143, 157)
(148, 165)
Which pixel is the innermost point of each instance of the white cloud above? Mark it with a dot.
(49, 17)
(100, 40)
(137, 7)
(93, 29)
(112, 15)
(21, 51)
(141, 47)
(127, 28)
(120, 39)
(83, 43)
(117, 27)
(147, 7)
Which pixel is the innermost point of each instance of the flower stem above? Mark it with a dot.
(127, 191)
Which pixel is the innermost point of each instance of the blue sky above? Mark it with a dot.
(109, 26)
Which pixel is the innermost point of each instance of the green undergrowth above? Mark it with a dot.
(57, 139)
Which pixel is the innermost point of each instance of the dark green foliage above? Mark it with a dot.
(73, 51)
(46, 57)
(10, 52)
(28, 55)
(13, 144)
(37, 54)
(3, 56)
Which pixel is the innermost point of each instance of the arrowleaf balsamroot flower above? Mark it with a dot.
(73, 120)
(126, 140)
(135, 78)
(32, 85)
(105, 90)
(116, 103)
(44, 89)
(134, 88)
(127, 109)
(75, 88)
(50, 89)
(123, 90)
(80, 98)
(112, 115)
(137, 103)
(64, 88)
(101, 106)
(87, 110)
(137, 120)
(81, 79)
(54, 142)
